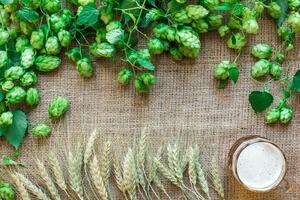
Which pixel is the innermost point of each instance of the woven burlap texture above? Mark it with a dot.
(184, 103)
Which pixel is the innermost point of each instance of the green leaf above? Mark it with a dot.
(15, 133)
(9, 161)
(1, 96)
(233, 39)
(224, 7)
(6, 1)
(152, 2)
(89, 15)
(174, 6)
(233, 74)
(285, 93)
(28, 14)
(284, 11)
(115, 36)
(295, 84)
(146, 64)
(237, 9)
(131, 6)
(222, 84)
(260, 100)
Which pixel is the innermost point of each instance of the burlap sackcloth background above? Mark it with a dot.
(184, 103)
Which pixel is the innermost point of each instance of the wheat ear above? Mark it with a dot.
(166, 172)
(105, 165)
(141, 157)
(89, 147)
(192, 166)
(202, 177)
(57, 171)
(20, 187)
(74, 169)
(97, 178)
(130, 177)
(40, 194)
(118, 173)
(48, 181)
(216, 180)
(175, 164)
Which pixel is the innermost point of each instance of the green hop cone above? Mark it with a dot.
(250, 26)
(189, 52)
(143, 82)
(13, 31)
(160, 30)
(221, 70)
(284, 33)
(196, 12)
(21, 44)
(124, 76)
(58, 107)
(32, 97)
(144, 53)
(294, 21)
(13, 73)
(276, 70)
(274, 10)
(200, 26)
(67, 16)
(153, 14)
(84, 67)
(113, 25)
(103, 49)
(52, 46)
(215, 20)
(85, 2)
(156, 46)
(223, 30)
(41, 130)
(3, 58)
(6, 119)
(176, 54)
(7, 191)
(258, 8)
(45, 63)
(260, 68)
(188, 38)
(73, 54)
(64, 38)
(4, 17)
(294, 4)
(27, 57)
(16, 95)
(51, 6)
(28, 79)
(100, 35)
(57, 23)
(286, 114)
(4, 36)
(26, 27)
(279, 57)
(272, 116)
(211, 4)
(237, 41)
(262, 51)
(182, 17)
(234, 23)
(37, 39)
(7, 85)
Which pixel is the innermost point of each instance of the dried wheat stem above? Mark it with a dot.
(48, 181)
(57, 171)
(21, 188)
(32, 187)
(166, 173)
(105, 165)
(74, 169)
(97, 179)
(89, 147)
(216, 180)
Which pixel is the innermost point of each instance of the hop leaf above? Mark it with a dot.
(260, 100)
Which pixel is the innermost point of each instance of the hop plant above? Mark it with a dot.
(215, 20)
(51, 6)
(16, 95)
(26, 28)
(237, 41)
(200, 26)
(37, 39)
(7, 85)
(58, 107)
(32, 97)
(272, 116)
(13, 31)
(64, 38)
(4, 17)
(182, 17)
(286, 114)
(188, 38)
(113, 25)
(6, 119)
(100, 35)
(124, 76)
(262, 51)
(4, 36)
(250, 26)
(223, 30)
(260, 68)
(144, 81)
(52, 46)
(28, 79)
(196, 12)
(102, 49)
(28, 57)
(274, 10)
(294, 21)
(176, 54)
(45, 63)
(275, 70)
(84, 67)
(21, 43)
(157, 46)
(85, 2)
(41, 130)
(221, 70)
(3, 58)
(7, 191)
(13, 73)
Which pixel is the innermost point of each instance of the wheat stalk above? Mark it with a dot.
(21, 188)
(216, 180)
(118, 174)
(89, 147)
(97, 178)
(105, 167)
(57, 171)
(130, 177)
(192, 166)
(74, 169)
(40, 194)
(48, 181)
(141, 157)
